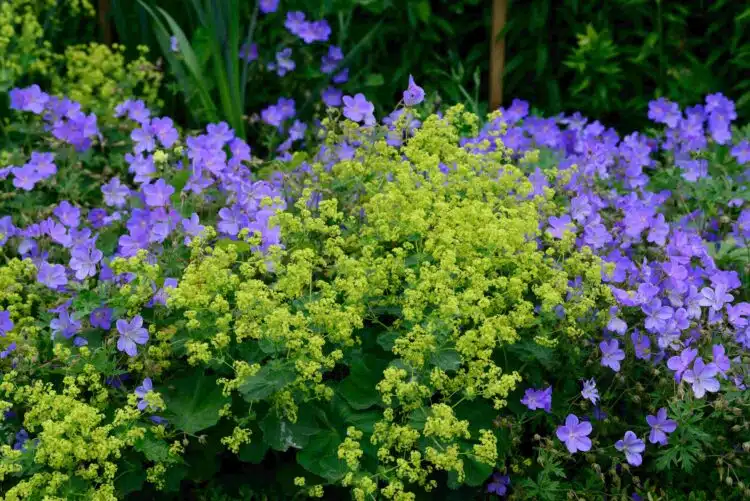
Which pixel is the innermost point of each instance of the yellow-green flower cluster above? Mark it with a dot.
(99, 77)
(23, 45)
(452, 267)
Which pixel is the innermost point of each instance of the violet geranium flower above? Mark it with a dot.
(575, 434)
(589, 391)
(131, 334)
(632, 446)
(660, 426)
(702, 377)
(612, 355)
(538, 399)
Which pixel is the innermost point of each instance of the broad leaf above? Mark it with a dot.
(320, 456)
(273, 377)
(194, 403)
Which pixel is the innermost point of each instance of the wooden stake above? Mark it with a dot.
(497, 53)
(104, 23)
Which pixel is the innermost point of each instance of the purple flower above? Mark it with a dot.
(249, 53)
(330, 61)
(716, 298)
(721, 361)
(656, 315)
(157, 194)
(284, 62)
(101, 318)
(231, 220)
(315, 31)
(164, 130)
(295, 20)
(616, 324)
(7, 351)
(83, 261)
(499, 484)
(52, 275)
(6, 324)
(414, 94)
(143, 138)
(611, 354)
(538, 399)
(359, 109)
(596, 235)
(21, 438)
(43, 163)
(702, 377)
(297, 130)
(642, 345)
(174, 45)
(268, 6)
(161, 295)
(332, 97)
(142, 391)
(679, 364)
(115, 193)
(131, 334)
(741, 152)
(517, 111)
(559, 225)
(341, 77)
(575, 434)
(663, 111)
(632, 446)
(660, 426)
(589, 391)
(29, 99)
(26, 177)
(65, 324)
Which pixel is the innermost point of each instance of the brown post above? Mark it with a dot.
(105, 26)
(497, 53)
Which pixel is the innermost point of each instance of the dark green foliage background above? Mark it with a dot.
(604, 58)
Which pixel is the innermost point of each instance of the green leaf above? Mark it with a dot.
(107, 241)
(153, 448)
(476, 472)
(173, 477)
(345, 415)
(359, 387)
(180, 179)
(273, 377)
(374, 80)
(387, 339)
(446, 359)
(239, 245)
(254, 452)
(85, 302)
(281, 434)
(194, 403)
(320, 456)
(130, 478)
